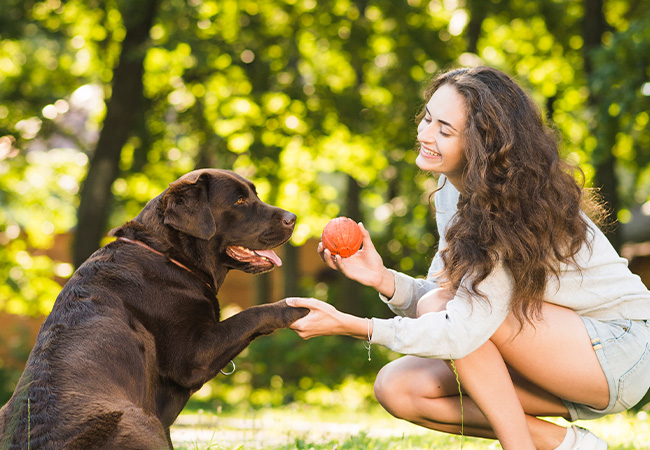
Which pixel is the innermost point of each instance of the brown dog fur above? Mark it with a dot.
(136, 330)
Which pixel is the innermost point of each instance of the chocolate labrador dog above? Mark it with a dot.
(136, 330)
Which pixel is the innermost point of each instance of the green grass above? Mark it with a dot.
(305, 427)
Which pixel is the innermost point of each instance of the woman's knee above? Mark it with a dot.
(434, 301)
(389, 384)
(395, 390)
(402, 385)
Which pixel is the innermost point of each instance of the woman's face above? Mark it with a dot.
(439, 135)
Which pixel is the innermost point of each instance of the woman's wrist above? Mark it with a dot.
(386, 283)
(357, 327)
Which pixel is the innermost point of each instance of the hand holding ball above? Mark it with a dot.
(342, 236)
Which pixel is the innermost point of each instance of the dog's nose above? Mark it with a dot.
(288, 219)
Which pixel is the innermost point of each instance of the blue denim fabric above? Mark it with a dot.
(623, 350)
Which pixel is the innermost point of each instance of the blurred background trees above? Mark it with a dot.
(104, 102)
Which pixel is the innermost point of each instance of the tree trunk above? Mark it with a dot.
(263, 288)
(350, 296)
(121, 110)
(478, 11)
(291, 269)
(594, 26)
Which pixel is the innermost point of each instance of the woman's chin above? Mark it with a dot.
(425, 163)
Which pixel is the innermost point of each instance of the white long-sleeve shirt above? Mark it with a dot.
(603, 289)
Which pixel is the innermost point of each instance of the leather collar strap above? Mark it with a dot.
(142, 244)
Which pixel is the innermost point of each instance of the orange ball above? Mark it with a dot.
(342, 236)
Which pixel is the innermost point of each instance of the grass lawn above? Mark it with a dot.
(305, 427)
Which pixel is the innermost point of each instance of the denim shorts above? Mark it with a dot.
(623, 350)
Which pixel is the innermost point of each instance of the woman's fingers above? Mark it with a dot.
(367, 241)
(362, 267)
(302, 302)
(327, 256)
(299, 325)
(319, 321)
(321, 251)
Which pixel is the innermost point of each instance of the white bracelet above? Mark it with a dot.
(367, 343)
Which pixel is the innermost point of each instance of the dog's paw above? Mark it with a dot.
(290, 313)
(273, 316)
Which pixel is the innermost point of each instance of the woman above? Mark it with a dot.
(526, 301)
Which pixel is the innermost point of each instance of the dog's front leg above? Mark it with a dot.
(219, 344)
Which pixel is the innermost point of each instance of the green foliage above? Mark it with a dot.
(313, 101)
(622, 82)
(39, 191)
(299, 95)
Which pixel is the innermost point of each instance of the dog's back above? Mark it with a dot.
(66, 397)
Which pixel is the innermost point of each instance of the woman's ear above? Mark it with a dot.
(187, 207)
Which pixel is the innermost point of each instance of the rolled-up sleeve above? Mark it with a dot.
(466, 324)
(408, 291)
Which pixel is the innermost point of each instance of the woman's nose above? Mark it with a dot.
(425, 133)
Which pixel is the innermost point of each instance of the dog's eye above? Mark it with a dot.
(240, 201)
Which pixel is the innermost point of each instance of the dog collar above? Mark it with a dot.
(143, 245)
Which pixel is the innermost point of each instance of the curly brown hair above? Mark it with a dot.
(520, 203)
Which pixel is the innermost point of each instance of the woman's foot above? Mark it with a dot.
(578, 438)
(586, 440)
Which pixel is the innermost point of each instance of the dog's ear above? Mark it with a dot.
(187, 207)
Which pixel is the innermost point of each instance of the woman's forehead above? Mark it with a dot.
(447, 104)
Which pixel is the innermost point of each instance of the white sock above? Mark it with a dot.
(569, 440)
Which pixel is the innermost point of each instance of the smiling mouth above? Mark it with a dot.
(428, 152)
(257, 260)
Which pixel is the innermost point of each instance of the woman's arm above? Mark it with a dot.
(456, 330)
(452, 333)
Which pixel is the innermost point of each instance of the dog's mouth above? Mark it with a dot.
(257, 261)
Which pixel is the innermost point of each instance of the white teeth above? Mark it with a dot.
(429, 152)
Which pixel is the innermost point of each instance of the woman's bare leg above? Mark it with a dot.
(434, 301)
(485, 367)
(484, 376)
(556, 356)
(430, 399)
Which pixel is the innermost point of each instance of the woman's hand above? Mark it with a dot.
(325, 320)
(365, 266)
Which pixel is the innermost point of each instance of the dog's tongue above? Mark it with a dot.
(271, 255)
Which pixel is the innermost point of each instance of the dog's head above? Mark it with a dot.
(223, 211)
